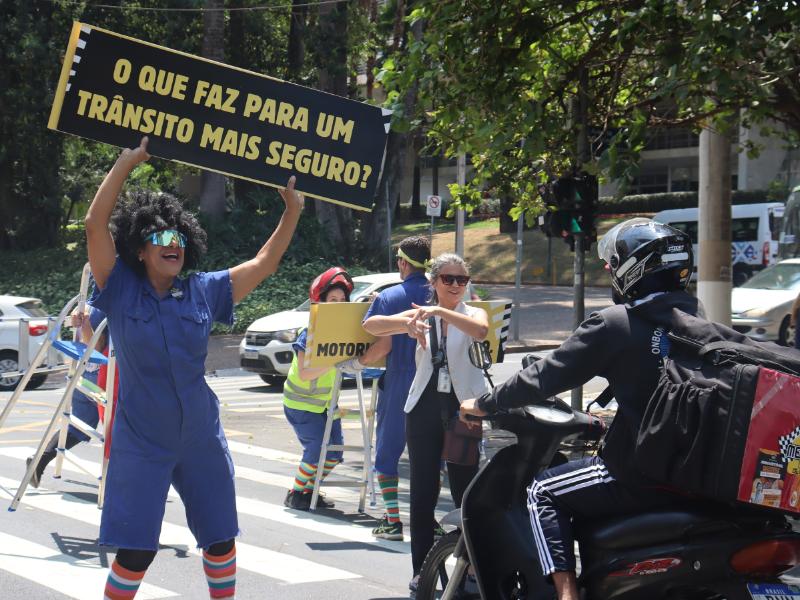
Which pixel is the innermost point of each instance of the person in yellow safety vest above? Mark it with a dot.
(307, 393)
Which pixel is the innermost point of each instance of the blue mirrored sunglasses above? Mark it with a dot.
(164, 238)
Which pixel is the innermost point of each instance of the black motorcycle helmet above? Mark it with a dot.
(645, 257)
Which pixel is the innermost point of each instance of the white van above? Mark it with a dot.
(755, 229)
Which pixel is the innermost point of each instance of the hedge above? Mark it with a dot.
(652, 203)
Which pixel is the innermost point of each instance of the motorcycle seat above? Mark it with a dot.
(649, 528)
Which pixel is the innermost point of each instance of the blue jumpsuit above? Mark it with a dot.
(167, 428)
(400, 370)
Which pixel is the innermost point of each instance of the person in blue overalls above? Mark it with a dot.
(82, 407)
(167, 426)
(413, 257)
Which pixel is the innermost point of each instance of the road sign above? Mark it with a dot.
(434, 206)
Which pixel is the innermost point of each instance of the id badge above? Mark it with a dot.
(443, 385)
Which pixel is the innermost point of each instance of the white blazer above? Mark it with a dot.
(468, 381)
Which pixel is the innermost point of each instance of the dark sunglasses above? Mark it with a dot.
(461, 280)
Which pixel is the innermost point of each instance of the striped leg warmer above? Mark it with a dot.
(221, 574)
(326, 469)
(122, 584)
(388, 485)
(305, 474)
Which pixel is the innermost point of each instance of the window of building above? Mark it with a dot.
(650, 183)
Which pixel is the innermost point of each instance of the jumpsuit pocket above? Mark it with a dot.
(196, 325)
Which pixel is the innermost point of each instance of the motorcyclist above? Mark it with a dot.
(650, 266)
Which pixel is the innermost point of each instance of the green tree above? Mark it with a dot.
(30, 154)
(503, 80)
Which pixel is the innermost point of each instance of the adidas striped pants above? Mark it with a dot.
(580, 489)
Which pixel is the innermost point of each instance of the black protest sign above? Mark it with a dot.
(116, 89)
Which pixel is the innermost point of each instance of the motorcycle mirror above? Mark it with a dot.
(529, 359)
(479, 356)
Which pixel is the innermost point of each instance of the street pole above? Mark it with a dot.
(579, 108)
(462, 180)
(434, 186)
(714, 226)
(389, 224)
(518, 277)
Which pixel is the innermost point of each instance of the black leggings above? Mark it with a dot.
(139, 560)
(425, 438)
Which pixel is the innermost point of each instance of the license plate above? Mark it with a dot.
(773, 591)
(251, 354)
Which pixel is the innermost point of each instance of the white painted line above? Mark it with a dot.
(276, 565)
(70, 576)
(86, 28)
(81, 44)
(226, 403)
(262, 452)
(317, 523)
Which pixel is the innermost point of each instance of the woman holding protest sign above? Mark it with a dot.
(444, 332)
(167, 428)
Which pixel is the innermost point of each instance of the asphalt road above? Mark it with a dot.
(49, 545)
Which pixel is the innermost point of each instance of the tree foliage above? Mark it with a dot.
(517, 83)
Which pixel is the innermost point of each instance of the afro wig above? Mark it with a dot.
(142, 213)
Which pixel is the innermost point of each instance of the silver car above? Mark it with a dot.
(12, 309)
(761, 307)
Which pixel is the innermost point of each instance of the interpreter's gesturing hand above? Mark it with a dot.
(292, 199)
(425, 312)
(130, 157)
(416, 329)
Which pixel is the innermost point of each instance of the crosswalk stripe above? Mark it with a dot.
(263, 510)
(265, 453)
(283, 482)
(276, 565)
(70, 576)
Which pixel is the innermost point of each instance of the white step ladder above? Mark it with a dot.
(79, 355)
(366, 414)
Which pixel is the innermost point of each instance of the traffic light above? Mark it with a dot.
(574, 200)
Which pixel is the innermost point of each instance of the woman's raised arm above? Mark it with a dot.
(102, 253)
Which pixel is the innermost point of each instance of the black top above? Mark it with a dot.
(623, 343)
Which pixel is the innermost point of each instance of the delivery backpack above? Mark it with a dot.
(724, 419)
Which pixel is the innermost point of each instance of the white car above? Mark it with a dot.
(266, 348)
(12, 308)
(760, 307)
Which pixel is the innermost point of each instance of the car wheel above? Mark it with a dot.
(8, 363)
(786, 333)
(273, 380)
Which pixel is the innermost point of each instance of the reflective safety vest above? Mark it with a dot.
(312, 396)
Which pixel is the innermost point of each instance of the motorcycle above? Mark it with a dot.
(699, 552)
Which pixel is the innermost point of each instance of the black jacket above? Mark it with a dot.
(623, 343)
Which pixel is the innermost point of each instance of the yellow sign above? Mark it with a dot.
(335, 332)
(499, 312)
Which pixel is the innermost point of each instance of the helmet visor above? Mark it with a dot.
(606, 247)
